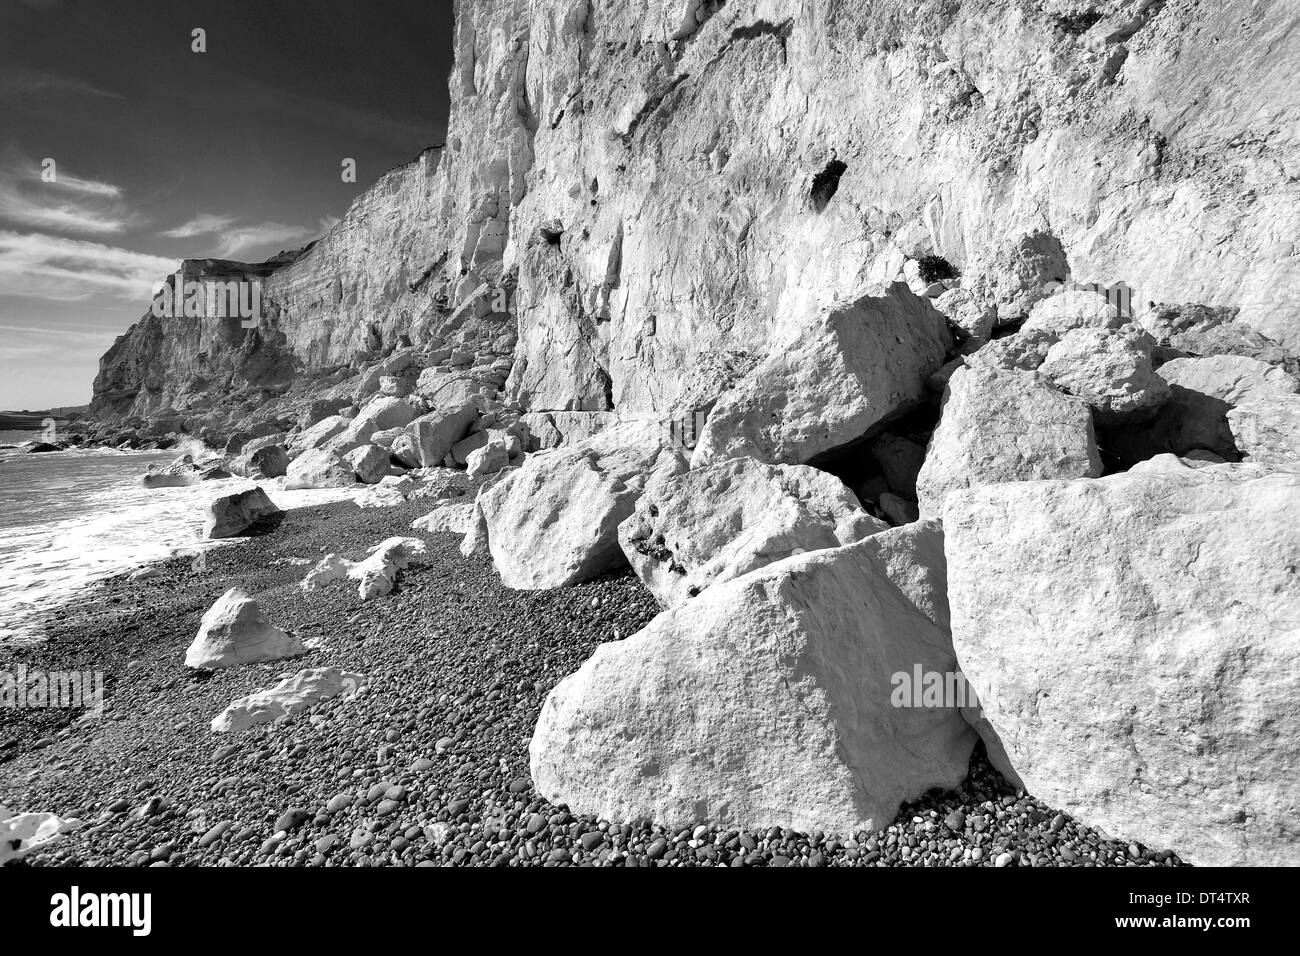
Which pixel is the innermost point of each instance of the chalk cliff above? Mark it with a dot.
(655, 189)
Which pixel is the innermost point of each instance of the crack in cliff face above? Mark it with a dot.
(651, 106)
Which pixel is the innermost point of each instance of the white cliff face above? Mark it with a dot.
(656, 191)
(1153, 143)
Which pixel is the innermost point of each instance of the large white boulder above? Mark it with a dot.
(828, 380)
(379, 414)
(554, 520)
(1026, 350)
(487, 459)
(320, 433)
(179, 474)
(974, 316)
(1267, 429)
(1111, 371)
(320, 468)
(768, 701)
(1135, 644)
(430, 438)
(288, 698)
(263, 462)
(1004, 425)
(235, 631)
(1072, 309)
(369, 462)
(1233, 379)
(716, 523)
(231, 515)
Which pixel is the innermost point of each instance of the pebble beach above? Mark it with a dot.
(428, 764)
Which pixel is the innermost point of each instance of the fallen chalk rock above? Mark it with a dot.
(320, 433)
(320, 468)
(1267, 429)
(476, 535)
(446, 518)
(1199, 330)
(1015, 275)
(179, 474)
(1111, 371)
(1004, 425)
(829, 381)
(232, 515)
(1072, 309)
(768, 701)
(716, 523)
(430, 438)
(1025, 351)
(376, 572)
(973, 316)
(554, 520)
(471, 443)
(234, 631)
(369, 463)
(21, 833)
(487, 459)
(262, 463)
(379, 414)
(291, 696)
(391, 490)
(1135, 645)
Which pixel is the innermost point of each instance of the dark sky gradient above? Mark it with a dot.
(235, 152)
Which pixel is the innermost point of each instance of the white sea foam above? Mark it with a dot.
(69, 519)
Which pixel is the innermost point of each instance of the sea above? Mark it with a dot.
(71, 518)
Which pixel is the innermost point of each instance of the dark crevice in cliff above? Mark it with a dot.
(1077, 24)
(826, 183)
(764, 28)
(551, 233)
(756, 31)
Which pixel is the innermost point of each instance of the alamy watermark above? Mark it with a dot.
(922, 688)
(1119, 295)
(41, 689)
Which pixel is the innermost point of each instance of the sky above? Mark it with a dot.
(162, 153)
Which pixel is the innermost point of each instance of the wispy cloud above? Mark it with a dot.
(201, 225)
(328, 222)
(70, 203)
(233, 238)
(53, 330)
(25, 85)
(62, 269)
(263, 234)
(89, 186)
